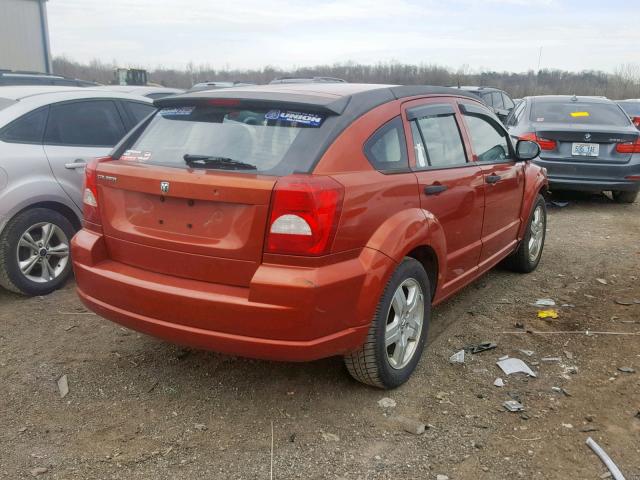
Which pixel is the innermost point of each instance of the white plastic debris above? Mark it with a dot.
(544, 302)
(515, 365)
(528, 353)
(513, 406)
(386, 402)
(499, 382)
(457, 357)
(613, 468)
(63, 386)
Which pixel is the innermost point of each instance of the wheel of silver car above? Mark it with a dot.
(404, 323)
(34, 252)
(43, 252)
(398, 330)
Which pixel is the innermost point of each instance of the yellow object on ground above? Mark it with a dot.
(547, 314)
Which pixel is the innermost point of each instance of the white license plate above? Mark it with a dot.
(585, 149)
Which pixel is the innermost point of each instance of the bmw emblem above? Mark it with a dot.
(164, 187)
(587, 136)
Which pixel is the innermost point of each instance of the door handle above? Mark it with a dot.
(493, 178)
(78, 163)
(434, 189)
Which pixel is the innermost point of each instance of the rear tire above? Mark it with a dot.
(625, 197)
(381, 361)
(527, 257)
(34, 252)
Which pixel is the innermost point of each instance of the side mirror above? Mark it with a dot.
(527, 150)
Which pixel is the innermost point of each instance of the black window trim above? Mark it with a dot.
(44, 128)
(467, 163)
(386, 125)
(123, 103)
(477, 111)
(114, 100)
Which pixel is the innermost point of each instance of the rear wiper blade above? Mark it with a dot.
(223, 163)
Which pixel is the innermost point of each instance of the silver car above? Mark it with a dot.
(47, 134)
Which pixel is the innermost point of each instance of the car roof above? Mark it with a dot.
(334, 98)
(140, 89)
(46, 94)
(564, 98)
(470, 88)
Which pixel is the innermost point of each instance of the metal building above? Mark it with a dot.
(24, 36)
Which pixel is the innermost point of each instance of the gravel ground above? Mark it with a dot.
(141, 408)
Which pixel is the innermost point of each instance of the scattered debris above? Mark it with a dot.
(567, 425)
(411, 426)
(519, 325)
(589, 428)
(602, 281)
(63, 386)
(515, 365)
(568, 354)
(568, 305)
(513, 406)
(550, 359)
(613, 468)
(442, 477)
(626, 370)
(39, 471)
(626, 303)
(548, 314)
(498, 382)
(528, 353)
(457, 357)
(22, 429)
(544, 302)
(330, 437)
(201, 426)
(386, 402)
(70, 327)
(480, 347)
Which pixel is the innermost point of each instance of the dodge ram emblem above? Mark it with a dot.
(164, 187)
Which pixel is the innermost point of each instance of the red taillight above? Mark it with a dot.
(224, 102)
(90, 210)
(629, 147)
(305, 210)
(636, 121)
(635, 178)
(544, 143)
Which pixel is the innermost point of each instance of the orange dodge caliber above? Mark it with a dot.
(296, 222)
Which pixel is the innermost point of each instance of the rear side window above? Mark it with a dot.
(580, 112)
(139, 111)
(387, 148)
(508, 103)
(487, 99)
(27, 129)
(442, 141)
(271, 141)
(93, 123)
(490, 142)
(497, 100)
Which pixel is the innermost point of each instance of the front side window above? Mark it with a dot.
(387, 148)
(490, 142)
(442, 141)
(497, 100)
(487, 99)
(27, 129)
(92, 123)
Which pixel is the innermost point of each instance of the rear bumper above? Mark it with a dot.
(287, 313)
(581, 176)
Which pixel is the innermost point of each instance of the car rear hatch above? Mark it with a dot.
(190, 195)
(582, 130)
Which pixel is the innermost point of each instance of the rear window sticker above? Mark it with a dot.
(135, 156)
(302, 118)
(175, 111)
(540, 119)
(579, 114)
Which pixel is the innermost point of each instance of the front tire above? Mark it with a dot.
(34, 252)
(527, 257)
(398, 330)
(625, 197)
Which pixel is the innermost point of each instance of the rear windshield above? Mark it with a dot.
(264, 141)
(632, 108)
(585, 113)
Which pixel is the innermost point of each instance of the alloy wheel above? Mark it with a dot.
(537, 233)
(43, 252)
(404, 323)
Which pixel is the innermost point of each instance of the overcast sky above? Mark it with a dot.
(483, 34)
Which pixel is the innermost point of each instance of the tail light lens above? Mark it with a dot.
(629, 147)
(305, 211)
(544, 143)
(90, 210)
(636, 121)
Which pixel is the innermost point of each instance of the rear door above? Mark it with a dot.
(76, 132)
(503, 179)
(451, 187)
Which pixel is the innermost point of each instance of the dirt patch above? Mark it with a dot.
(141, 408)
